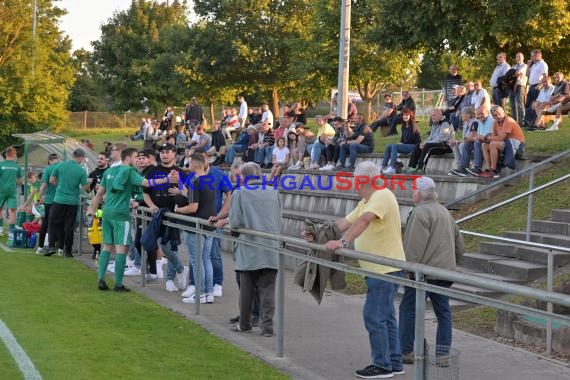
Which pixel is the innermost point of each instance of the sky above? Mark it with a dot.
(84, 18)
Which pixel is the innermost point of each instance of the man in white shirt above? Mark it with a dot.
(267, 116)
(242, 112)
(500, 70)
(536, 70)
(480, 96)
(518, 92)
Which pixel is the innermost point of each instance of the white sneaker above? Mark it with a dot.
(132, 271)
(159, 268)
(217, 290)
(389, 170)
(111, 267)
(60, 252)
(129, 262)
(170, 286)
(192, 299)
(209, 298)
(39, 251)
(327, 167)
(182, 279)
(553, 127)
(314, 166)
(189, 292)
(338, 165)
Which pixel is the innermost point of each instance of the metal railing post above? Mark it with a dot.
(143, 252)
(198, 277)
(80, 239)
(280, 306)
(549, 280)
(419, 347)
(530, 205)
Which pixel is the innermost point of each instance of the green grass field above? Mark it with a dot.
(70, 330)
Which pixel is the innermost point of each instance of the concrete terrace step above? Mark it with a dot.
(539, 237)
(513, 268)
(442, 163)
(525, 253)
(561, 215)
(551, 227)
(492, 276)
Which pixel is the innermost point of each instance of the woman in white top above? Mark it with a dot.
(280, 158)
(543, 101)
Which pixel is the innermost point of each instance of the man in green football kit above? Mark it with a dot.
(119, 183)
(10, 177)
(68, 177)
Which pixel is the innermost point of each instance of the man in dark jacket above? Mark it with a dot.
(432, 238)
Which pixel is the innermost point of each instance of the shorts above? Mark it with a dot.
(116, 232)
(9, 200)
(515, 144)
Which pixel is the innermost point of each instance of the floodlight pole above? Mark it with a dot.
(343, 59)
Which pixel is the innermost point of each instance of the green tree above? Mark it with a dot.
(373, 67)
(262, 36)
(87, 93)
(35, 74)
(131, 56)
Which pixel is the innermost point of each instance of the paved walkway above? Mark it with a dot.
(328, 341)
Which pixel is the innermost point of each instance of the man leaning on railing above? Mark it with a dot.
(432, 238)
(374, 226)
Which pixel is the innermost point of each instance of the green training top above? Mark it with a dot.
(70, 175)
(10, 172)
(120, 182)
(50, 189)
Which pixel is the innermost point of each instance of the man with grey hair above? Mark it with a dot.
(431, 238)
(256, 208)
(374, 227)
(500, 70)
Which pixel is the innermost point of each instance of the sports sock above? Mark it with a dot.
(103, 262)
(2, 225)
(120, 260)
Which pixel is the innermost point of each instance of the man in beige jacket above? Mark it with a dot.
(432, 238)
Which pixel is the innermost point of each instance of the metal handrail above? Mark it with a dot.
(513, 199)
(517, 241)
(502, 181)
(421, 271)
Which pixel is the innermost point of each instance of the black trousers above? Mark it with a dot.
(333, 153)
(61, 226)
(264, 281)
(420, 156)
(150, 255)
(45, 224)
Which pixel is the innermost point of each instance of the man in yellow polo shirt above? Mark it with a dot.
(325, 134)
(374, 226)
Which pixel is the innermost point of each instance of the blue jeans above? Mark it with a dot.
(477, 149)
(217, 265)
(206, 274)
(174, 264)
(352, 150)
(232, 150)
(268, 154)
(442, 311)
(380, 322)
(259, 155)
(317, 150)
(516, 98)
(391, 153)
(134, 254)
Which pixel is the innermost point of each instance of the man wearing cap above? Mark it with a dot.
(431, 238)
(68, 177)
(159, 197)
(375, 228)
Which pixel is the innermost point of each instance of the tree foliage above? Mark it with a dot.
(373, 67)
(131, 55)
(35, 75)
